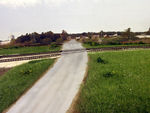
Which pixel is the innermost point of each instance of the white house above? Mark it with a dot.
(5, 42)
(77, 38)
(143, 36)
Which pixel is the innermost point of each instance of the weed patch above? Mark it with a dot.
(100, 60)
(109, 74)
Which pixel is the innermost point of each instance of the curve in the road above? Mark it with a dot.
(54, 92)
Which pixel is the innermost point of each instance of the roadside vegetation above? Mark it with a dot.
(34, 43)
(96, 45)
(113, 39)
(17, 80)
(117, 82)
(27, 50)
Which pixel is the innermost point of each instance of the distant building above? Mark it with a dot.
(115, 35)
(143, 36)
(69, 38)
(84, 37)
(4, 42)
(77, 38)
(95, 36)
(105, 36)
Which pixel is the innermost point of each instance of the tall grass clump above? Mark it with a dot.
(100, 60)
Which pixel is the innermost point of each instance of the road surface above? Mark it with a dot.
(54, 92)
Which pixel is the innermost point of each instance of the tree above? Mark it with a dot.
(128, 34)
(102, 33)
(59, 40)
(148, 32)
(50, 35)
(43, 38)
(64, 35)
(12, 41)
(46, 41)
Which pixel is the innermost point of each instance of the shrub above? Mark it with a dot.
(93, 43)
(100, 60)
(109, 74)
(141, 42)
(53, 45)
(111, 41)
(34, 61)
(26, 72)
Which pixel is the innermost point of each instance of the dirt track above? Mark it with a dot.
(55, 91)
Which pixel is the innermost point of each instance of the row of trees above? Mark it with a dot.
(124, 34)
(41, 39)
(124, 37)
(50, 37)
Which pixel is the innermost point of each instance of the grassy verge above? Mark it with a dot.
(117, 82)
(16, 81)
(102, 46)
(25, 50)
(3, 70)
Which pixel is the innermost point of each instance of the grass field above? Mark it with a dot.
(25, 50)
(102, 46)
(119, 84)
(16, 81)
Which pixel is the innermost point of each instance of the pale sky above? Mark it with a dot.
(25, 16)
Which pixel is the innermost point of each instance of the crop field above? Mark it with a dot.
(17, 80)
(86, 45)
(26, 50)
(117, 82)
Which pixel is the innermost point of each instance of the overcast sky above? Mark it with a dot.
(24, 16)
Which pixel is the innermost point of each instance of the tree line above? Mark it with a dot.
(40, 39)
(46, 38)
(127, 33)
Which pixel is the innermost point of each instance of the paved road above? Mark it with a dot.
(54, 92)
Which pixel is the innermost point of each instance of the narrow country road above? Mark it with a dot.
(54, 92)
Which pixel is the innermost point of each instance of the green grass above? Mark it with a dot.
(102, 46)
(121, 85)
(16, 81)
(26, 50)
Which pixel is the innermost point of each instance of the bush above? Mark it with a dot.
(109, 74)
(34, 61)
(26, 72)
(14, 47)
(100, 60)
(141, 42)
(53, 45)
(116, 41)
(93, 43)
